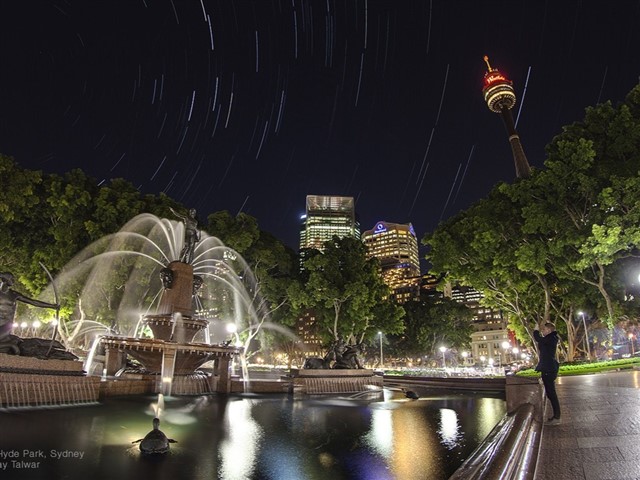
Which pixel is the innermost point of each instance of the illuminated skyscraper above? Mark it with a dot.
(327, 216)
(396, 247)
(500, 98)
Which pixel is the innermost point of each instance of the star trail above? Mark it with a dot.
(250, 105)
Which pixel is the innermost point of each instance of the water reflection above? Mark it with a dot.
(449, 431)
(238, 452)
(261, 437)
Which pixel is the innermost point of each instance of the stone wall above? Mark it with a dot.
(21, 390)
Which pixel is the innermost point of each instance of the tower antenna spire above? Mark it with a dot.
(486, 59)
(500, 97)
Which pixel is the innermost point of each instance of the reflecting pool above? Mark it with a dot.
(252, 437)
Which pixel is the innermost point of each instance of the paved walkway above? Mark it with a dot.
(599, 436)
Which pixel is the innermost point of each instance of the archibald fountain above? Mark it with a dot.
(172, 355)
(201, 285)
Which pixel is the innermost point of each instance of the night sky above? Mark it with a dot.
(252, 105)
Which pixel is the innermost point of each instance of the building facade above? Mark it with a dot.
(396, 247)
(327, 216)
(490, 337)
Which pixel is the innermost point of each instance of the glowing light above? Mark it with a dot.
(380, 227)
(23, 325)
(380, 437)
(238, 452)
(495, 78)
(36, 324)
(449, 428)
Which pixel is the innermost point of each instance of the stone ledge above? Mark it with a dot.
(17, 362)
(331, 372)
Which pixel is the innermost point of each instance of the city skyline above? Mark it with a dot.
(252, 106)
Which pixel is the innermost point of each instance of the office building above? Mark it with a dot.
(396, 247)
(327, 216)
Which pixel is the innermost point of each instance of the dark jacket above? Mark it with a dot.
(547, 352)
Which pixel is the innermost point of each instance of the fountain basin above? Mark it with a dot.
(165, 327)
(149, 352)
(328, 381)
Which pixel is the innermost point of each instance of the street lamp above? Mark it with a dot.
(506, 346)
(464, 356)
(443, 349)
(231, 328)
(381, 357)
(586, 335)
(631, 342)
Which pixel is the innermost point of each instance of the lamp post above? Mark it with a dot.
(381, 357)
(443, 349)
(506, 346)
(631, 342)
(464, 358)
(586, 335)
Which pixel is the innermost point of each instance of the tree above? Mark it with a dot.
(430, 323)
(533, 246)
(20, 197)
(345, 290)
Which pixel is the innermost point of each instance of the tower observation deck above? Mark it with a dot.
(500, 98)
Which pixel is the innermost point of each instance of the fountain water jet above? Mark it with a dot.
(160, 308)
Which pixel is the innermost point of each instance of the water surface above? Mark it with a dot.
(253, 437)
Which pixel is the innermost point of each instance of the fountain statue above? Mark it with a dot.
(173, 352)
(191, 234)
(36, 371)
(8, 303)
(155, 442)
(339, 355)
(339, 371)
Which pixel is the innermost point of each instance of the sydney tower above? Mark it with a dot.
(500, 97)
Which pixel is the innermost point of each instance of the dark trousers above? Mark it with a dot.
(549, 381)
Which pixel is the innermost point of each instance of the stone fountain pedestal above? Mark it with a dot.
(172, 358)
(32, 382)
(330, 381)
(184, 359)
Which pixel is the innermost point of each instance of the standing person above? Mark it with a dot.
(547, 340)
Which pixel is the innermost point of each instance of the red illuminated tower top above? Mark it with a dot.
(500, 98)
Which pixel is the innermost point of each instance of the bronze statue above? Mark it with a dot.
(348, 358)
(166, 277)
(8, 305)
(320, 363)
(197, 284)
(155, 442)
(191, 234)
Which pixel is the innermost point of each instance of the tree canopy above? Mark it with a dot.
(346, 292)
(551, 244)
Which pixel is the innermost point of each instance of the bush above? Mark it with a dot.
(586, 368)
